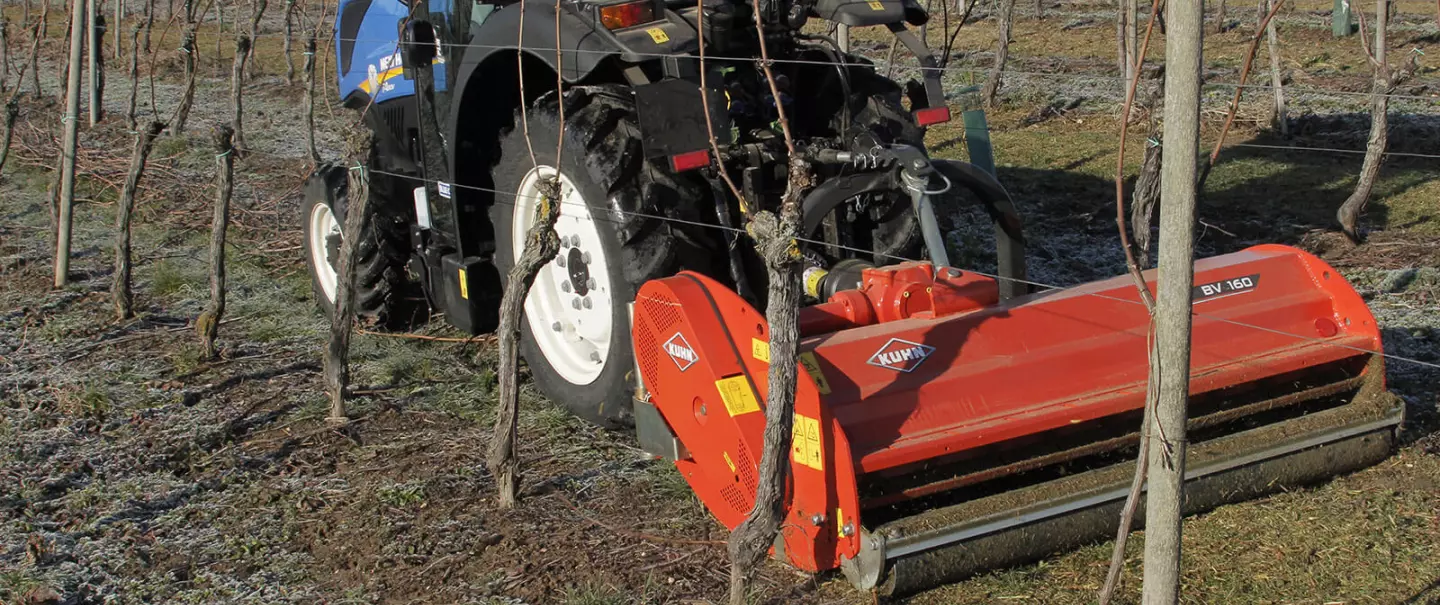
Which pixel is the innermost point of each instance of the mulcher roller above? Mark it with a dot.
(940, 431)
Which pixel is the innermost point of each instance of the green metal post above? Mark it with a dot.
(977, 140)
(1340, 19)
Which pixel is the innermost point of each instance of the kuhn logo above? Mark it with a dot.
(901, 355)
(680, 352)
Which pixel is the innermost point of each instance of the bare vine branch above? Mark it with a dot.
(1132, 500)
(1239, 90)
(705, 104)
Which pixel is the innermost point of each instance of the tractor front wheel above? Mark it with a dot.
(382, 287)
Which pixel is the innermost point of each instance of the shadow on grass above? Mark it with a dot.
(1266, 189)
(1430, 595)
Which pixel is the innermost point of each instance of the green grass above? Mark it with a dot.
(1370, 537)
(595, 594)
(91, 402)
(169, 278)
(16, 583)
(167, 146)
(664, 481)
(410, 494)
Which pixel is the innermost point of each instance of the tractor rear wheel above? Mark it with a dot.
(884, 120)
(614, 237)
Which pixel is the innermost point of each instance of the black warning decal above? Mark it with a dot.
(1224, 287)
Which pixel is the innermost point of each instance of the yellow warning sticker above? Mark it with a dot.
(806, 443)
(728, 461)
(464, 286)
(839, 522)
(812, 367)
(658, 35)
(738, 397)
(760, 349)
(875, 5)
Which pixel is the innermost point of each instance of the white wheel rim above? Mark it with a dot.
(572, 325)
(323, 226)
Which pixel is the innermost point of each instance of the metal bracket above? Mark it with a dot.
(866, 569)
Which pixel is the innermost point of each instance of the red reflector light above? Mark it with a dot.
(932, 115)
(617, 16)
(690, 160)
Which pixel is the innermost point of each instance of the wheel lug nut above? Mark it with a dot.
(590, 283)
(575, 303)
(565, 286)
(595, 356)
(555, 326)
(560, 260)
(586, 303)
(585, 256)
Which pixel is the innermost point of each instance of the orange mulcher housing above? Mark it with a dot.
(920, 392)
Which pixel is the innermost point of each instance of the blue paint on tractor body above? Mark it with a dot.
(375, 65)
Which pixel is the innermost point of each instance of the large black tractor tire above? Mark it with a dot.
(384, 293)
(626, 197)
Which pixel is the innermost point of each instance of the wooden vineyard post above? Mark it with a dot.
(1277, 80)
(71, 122)
(149, 17)
(289, 35)
(117, 23)
(95, 29)
(1137, 482)
(337, 352)
(1126, 38)
(120, 290)
(1266, 22)
(208, 324)
(237, 88)
(1183, 44)
(219, 30)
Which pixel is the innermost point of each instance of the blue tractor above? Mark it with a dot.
(454, 187)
